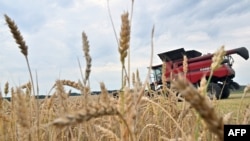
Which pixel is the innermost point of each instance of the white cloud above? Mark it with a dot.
(197, 37)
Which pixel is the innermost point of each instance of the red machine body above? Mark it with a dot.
(198, 66)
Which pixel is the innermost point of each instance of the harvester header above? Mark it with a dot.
(199, 66)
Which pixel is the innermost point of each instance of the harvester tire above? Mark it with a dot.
(213, 91)
(225, 92)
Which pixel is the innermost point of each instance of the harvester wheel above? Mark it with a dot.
(213, 91)
(225, 92)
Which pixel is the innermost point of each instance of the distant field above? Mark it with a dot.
(233, 104)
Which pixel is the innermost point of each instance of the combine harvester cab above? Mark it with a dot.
(198, 66)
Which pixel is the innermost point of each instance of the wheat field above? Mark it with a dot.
(132, 116)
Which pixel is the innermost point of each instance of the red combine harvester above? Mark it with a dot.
(198, 66)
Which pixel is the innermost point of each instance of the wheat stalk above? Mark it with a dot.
(201, 105)
(165, 111)
(124, 37)
(185, 65)
(92, 111)
(21, 108)
(20, 41)
(246, 89)
(6, 88)
(152, 126)
(217, 58)
(124, 41)
(87, 57)
(70, 83)
(203, 86)
(163, 77)
(107, 133)
(17, 35)
(216, 62)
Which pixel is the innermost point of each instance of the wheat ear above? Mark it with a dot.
(124, 37)
(91, 111)
(149, 70)
(87, 57)
(124, 42)
(216, 61)
(163, 77)
(152, 126)
(201, 105)
(107, 133)
(6, 88)
(20, 41)
(218, 58)
(70, 83)
(17, 35)
(185, 65)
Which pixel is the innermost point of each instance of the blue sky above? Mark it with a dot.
(52, 31)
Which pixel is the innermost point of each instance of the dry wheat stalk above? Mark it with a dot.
(246, 119)
(27, 87)
(217, 58)
(133, 79)
(128, 109)
(1, 101)
(6, 88)
(124, 81)
(60, 90)
(138, 80)
(124, 46)
(22, 108)
(203, 86)
(201, 104)
(163, 77)
(87, 57)
(185, 65)
(227, 117)
(70, 83)
(124, 37)
(104, 96)
(17, 35)
(152, 126)
(92, 111)
(20, 41)
(166, 112)
(63, 96)
(246, 89)
(107, 133)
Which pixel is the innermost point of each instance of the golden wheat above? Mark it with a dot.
(92, 111)
(217, 58)
(6, 88)
(87, 117)
(201, 104)
(110, 135)
(22, 45)
(17, 35)
(70, 83)
(124, 37)
(87, 57)
(185, 65)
